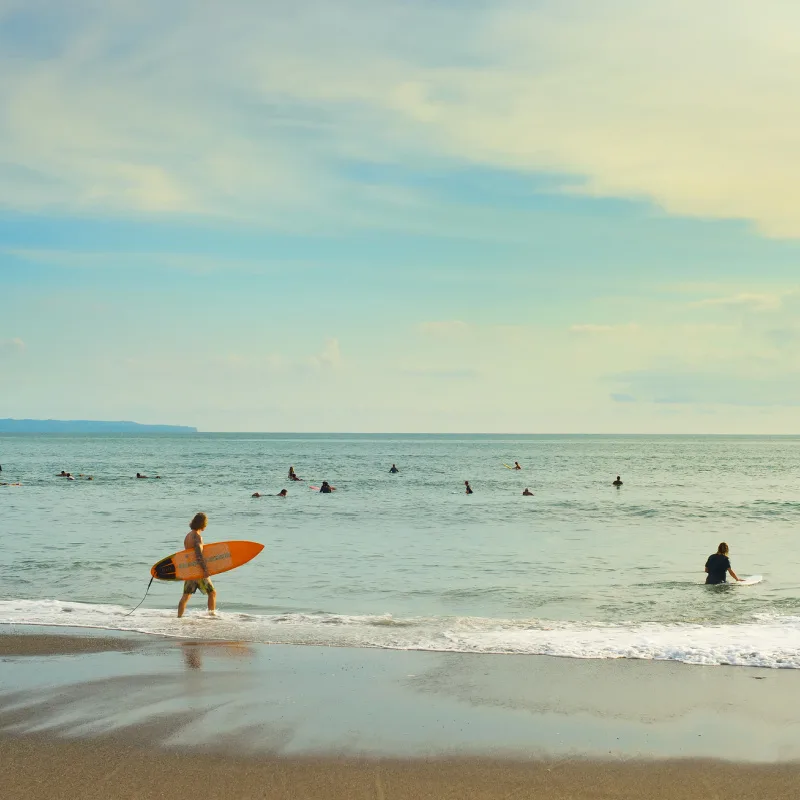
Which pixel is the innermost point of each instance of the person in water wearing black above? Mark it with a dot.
(617, 482)
(394, 469)
(718, 565)
(528, 493)
(326, 488)
(469, 488)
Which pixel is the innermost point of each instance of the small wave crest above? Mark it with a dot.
(767, 641)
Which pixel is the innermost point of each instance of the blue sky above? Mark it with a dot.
(369, 216)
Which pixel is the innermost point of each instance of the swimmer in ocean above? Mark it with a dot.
(282, 493)
(617, 482)
(527, 493)
(293, 475)
(718, 565)
(139, 475)
(516, 465)
(394, 469)
(256, 494)
(326, 488)
(468, 489)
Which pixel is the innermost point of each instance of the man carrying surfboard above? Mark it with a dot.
(194, 541)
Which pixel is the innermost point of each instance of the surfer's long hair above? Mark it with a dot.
(722, 550)
(201, 520)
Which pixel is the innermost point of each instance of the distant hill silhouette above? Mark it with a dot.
(85, 426)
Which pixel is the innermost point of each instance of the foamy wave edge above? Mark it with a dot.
(767, 641)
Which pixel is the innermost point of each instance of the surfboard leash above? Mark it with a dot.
(143, 599)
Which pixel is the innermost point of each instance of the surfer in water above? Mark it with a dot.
(139, 475)
(256, 494)
(617, 482)
(293, 475)
(282, 493)
(516, 465)
(718, 565)
(326, 488)
(527, 493)
(468, 489)
(394, 469)
(194, 541)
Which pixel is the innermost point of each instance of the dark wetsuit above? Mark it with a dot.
(717, 566)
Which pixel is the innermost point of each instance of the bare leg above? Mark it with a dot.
(182, 604)
(212, 602)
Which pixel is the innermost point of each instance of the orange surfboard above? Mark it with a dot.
(219, 557)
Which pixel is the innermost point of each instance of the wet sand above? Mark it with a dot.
(47, 770)
(85, 715)
(44, 644)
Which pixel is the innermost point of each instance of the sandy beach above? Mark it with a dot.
(135, 716)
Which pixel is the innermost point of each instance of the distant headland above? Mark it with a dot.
(85, 426)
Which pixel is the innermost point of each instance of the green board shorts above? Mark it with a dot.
(204, 585)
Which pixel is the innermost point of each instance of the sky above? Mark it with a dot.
(552, 216)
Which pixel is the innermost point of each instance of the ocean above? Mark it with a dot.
(581, 569)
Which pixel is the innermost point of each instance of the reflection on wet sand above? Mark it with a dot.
(193, 651)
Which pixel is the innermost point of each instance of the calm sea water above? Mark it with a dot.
(409, 561)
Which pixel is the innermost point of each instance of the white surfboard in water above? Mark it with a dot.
(749, 580)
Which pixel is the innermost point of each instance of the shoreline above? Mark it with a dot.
(326, 701)
(135, 716)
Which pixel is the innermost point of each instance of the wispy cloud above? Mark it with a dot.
(591, 329)
(445, 329)
(443, 373)
(752, 300)
(713, 387)
(250, 113)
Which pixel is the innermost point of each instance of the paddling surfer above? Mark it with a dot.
(718, 564)
(194, 541)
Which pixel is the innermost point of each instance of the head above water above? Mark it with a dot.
(722, 550)
(199, 522)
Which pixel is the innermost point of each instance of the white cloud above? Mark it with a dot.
(330, 356)
(249, 112)
(15, 345)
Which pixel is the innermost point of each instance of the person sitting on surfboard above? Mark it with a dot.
(469, 488)
(394, 469)
(282, 493)
(326, 488)
(528, 493)
(516, 465)
(194, 540)
(293, 475)
(617, 482)
(718, 564)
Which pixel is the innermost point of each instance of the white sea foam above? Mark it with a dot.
(766, 641)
